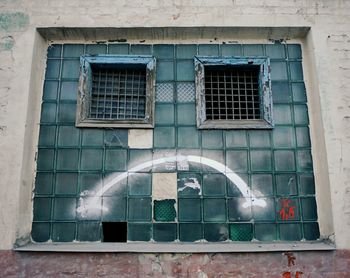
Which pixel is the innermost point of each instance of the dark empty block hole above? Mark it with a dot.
(114, 231)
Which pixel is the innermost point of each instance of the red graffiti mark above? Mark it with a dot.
(291, 258)
(287, 211)
(298, 274)
(289, 274)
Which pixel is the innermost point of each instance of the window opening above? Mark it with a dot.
(114, 231)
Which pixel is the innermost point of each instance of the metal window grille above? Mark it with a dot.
(232, 92)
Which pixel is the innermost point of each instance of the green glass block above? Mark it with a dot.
(288, 209)
(165, 71)
(185, 70)
(139, 49)
(306, 184)
(231, 50)
(163, 51)
(91, 208)
(116, 138)
(253, 50)
(92, 137)
(237, 211)
(283, 137)
(236, 139)
(115, 188)
(275, 51)
(54, 51)
(208, 49)
(137, 157)
(67, 113)
(90, 183)
(262, 185)
(70, 69)
(190, 210)
(282, 114)
(139, 209)
(114, 208)
(237, 161)
(215, 155)
(94, 49)
(259, 138)
(66, 183)
(45, 159)
(303, 136)
(214, 185)
(89, 231)
(115, 160)
(186, 51)
(286, 185)
(294, 51)
(67, 159)
(69, 90)
(290, 232)
(164, 114)
(266, 213)
(281, 92)
(118, 48)
(284, 160)
(260, 160)
(212, 139)
(140, 184)
(91, 159)
(296, 71)
(64, 208)
(190, 232)
(168, 165)
(233, 189)
(139, 232)
(192, 166)
(241, 232)
(278, 71)
(299, 92)
(186, 114)
(164, 210)
(214, 232)
(68, 136)
(40, 232)
(301, 115)
(50, 90)
(43, 183)
(53, 69)
(63, 232)
(304, 160)
(214, 210)
(42, 209)
(189, 184)
(187, 137)
(164, 232)
(164, 137)
(47, 135)
(73, 50)
(309, 208)
(48, 113)
(265, 232)
(311, 231)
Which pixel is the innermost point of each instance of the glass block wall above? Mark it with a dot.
(275, 200)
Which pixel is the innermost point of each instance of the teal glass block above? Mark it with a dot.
(190, 232)
(286, 185)
(165, 71)
(68, 136)
(185, 70)
(54, 51)
(281, 92)
(187, 137)
(265, 232)
(111, 187)
(90, 208)
(237, 161)
(231, 50)
(66, 183)
(70, 69)
(42, 209)
(141, 49)
(208, 49)
(139, 209)
(163, 232)
(290, 231)
(67, 159)
(241, 232)
(236, 139)
(164, 210)
(47, 135)
(69, 90)
(262, 185)
(73, 50)
(67, 112)
(164, 114)
(186, 114)
(309, 208)
(189, 184)
(186, 51)
(212, 139)
(50, 90)
(139, 231)
(283, 137)
(185, 92)
(296, 71)
(90, 183)
(284, 160)
(48, 113)
(64, 208)
(63, 232)
(45, 159)
(260, 160)
(288, 209)
(163, 51)
(91, 159)
(306, 184)
(278, 71)
(311, 231)
(233, 189)
(169, 163)
(275, 51)
(165, 92)
(214, 185)
(216, 155)
(137, 157)
(294, 51)
(192, 166)
(89, 231)
(114, 208)
(214, 232)
(40, 232)
(115, 160)
(267, 213)
(53, 69)
(92, 137)
(214, 210)
(301, 115)
(140, 184)
(116, 138)
(43, 183)
(94, 49)
(304, 160)
(282, 114)
(237, 211)
(299, 92)
(253, 50)
(259, 138)
(122, 48)
(189, 210)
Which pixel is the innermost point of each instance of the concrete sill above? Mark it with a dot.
(137, 247)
